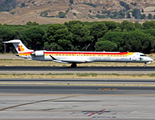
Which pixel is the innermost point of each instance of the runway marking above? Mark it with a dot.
(36, 102)
(99, 88)
(114, 89)
(72, 84)
(99, 112)
(107, 89)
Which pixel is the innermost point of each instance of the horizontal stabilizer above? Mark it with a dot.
(12, 41)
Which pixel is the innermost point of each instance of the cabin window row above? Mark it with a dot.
(89, 55)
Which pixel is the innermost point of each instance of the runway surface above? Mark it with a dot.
(77, 86)
(87, 99)
(38, 89)
(33, 68)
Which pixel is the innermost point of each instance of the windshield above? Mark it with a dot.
(143, 55)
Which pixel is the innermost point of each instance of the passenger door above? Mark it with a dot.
(134, 58)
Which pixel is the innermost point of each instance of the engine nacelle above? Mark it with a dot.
(38, 53)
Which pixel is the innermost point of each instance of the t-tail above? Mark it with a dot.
(22, 50)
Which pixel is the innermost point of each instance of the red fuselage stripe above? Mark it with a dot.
(89, 53)
(84, 53)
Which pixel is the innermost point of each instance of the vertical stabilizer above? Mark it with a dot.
(22, 50)
(19, 46)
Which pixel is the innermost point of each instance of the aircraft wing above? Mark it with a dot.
(70, 60)
(73, 61)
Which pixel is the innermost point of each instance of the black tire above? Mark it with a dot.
(73, 65)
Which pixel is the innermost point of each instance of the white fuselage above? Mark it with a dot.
(74, 57)
(86, 57)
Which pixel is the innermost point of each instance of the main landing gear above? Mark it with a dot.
(73, 65)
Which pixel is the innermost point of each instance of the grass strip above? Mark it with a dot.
(79, 75)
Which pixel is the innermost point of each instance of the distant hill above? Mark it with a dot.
(52, 11)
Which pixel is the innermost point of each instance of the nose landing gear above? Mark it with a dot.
(145, 64)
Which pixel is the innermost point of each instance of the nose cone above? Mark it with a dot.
(150, 59)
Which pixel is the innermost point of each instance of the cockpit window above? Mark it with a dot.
(143, 55)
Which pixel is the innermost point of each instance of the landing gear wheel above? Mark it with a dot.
(73, 65)
(145, 65)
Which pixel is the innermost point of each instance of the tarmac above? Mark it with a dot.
(16, 106)
(28, 99)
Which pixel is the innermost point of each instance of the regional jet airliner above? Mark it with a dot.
(75, 57)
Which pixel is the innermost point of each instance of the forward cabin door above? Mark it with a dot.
(134, 58)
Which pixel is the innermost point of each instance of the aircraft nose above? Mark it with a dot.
(150, 59)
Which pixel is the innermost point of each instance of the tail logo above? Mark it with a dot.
(20, 48)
